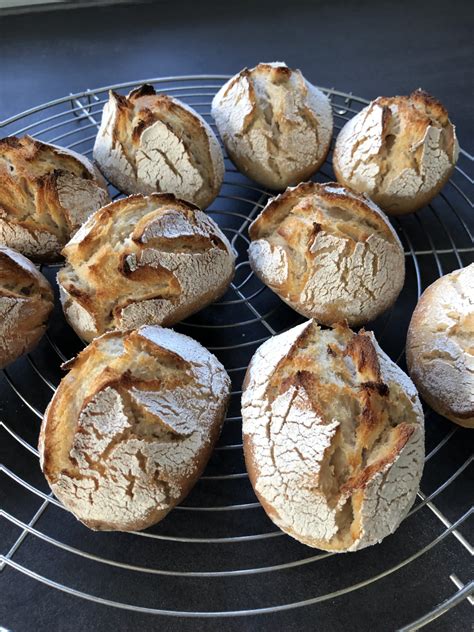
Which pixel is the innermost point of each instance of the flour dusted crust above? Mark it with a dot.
(399, 150)
(333, 436)
(150, 142)
(440, 346)
(132, 426)
(46, 193)
(143, 260)
(276, 126)
(328, 252)
(26, 300)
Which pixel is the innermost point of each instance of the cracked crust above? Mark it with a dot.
(46, 193)
(150, 142)
(143, 260)
(131, 427)
(26, 300)
(400, 151)
(333, 436)
(440, 346)
(329, 253)
(275, 125)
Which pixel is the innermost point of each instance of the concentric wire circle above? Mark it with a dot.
(219, 545)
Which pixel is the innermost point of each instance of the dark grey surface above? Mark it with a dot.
(370, 48)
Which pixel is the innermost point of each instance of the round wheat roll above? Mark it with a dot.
(440, 346)
(399, 150)
(143, 260)
(150, 142)
(329, 253)
(333, 436)
(131, 427)
(46, 193)
(26, 300)
(275, 125)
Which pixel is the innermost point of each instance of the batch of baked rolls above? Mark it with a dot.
(333, 429)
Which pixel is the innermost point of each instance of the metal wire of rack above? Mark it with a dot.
(259, 569)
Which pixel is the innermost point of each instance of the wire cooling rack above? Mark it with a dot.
(219, 547)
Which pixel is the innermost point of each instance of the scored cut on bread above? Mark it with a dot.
(46, 193)
(149, 142)
(275, 125)
(26, 301)
(328, 252)
(132, 426)
(399, 150)
(333, 436)
(143, 260)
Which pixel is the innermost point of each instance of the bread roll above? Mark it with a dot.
(26, 300)
(328, 252)
(440, 346)
(149, 142)
(333, 437)
(400, 151)
(143, 260)
(131, 427)
(276, 126)
(46, 193)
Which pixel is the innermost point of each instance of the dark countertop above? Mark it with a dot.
(367, 47)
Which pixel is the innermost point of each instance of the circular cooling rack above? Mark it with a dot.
(219, 547)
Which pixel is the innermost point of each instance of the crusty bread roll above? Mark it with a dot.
(143, 260)
(26, 300)
(150, 142)
(46, 193)
(440, 346)
(276, 126)
(328, 252)
(333, 436)
(132, 426)
(401, 151)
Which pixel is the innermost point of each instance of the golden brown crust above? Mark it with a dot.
(328, 252)
(332, 435)
(45, 194)
(361, 479)
(364, 355)
(427, 107)
(144, 106)
(152, 142)
(399, 150)
(358, 205)
(132, 426)
(275, 125)
(143, 260)
(26, 300)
